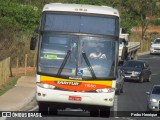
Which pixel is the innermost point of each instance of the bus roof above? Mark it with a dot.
(81, 8)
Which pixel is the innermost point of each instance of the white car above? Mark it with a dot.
(153, 101)
(155, 46)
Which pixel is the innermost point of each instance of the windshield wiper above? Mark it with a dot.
(64, 62)
(89, 65)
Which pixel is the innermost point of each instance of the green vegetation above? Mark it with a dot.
(17, 22)
(156, 22)
(19, 18)
(23, 16)
(12, 82)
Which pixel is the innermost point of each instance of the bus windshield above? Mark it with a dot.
(105, 25)
(68, 55)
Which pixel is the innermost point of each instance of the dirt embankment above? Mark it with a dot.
(154, 29)
(149, 29)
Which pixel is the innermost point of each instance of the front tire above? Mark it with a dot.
(141, 79)
(53, 111)
(94, 113)
(43, 108)
(151, 53)
(122, 90)
(105, 112)
(149, 78)
(118, 91)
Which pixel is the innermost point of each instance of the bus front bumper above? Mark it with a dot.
(70, 97)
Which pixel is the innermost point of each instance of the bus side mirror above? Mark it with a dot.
(33, 43)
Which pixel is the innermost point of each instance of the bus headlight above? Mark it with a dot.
(47, 86)
(106, 90)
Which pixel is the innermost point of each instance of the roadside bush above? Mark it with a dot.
(156, 22)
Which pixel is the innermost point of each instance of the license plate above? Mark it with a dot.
(127, 76)
(74, 98)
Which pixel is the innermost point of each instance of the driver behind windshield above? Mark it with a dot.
(97, 54)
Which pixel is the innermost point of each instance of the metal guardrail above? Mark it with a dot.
(133, 46)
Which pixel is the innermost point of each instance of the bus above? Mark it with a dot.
(70, 74)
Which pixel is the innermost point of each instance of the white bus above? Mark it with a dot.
(77, 58)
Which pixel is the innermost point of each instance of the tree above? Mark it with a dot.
(135, 13)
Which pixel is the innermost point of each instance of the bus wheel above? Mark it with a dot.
(141, 79)
(118, 92)
(149, 78)
(53, 111)
(105, 112)
(94, 113)
(43, 108)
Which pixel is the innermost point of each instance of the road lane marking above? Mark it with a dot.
(115, 107)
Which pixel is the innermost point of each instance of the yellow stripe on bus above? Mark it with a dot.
(100, 82)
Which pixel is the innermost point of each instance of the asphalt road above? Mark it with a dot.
(134, 98)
